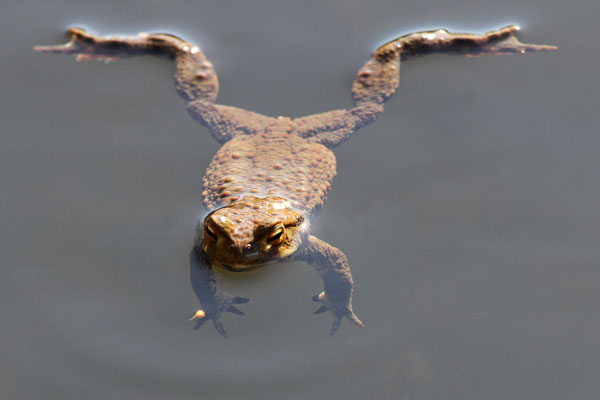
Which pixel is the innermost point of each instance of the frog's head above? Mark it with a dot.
(251, 232)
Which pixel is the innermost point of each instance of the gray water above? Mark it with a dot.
(468, 211)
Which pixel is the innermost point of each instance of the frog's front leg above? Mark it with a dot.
(332, 266)
(212, 300)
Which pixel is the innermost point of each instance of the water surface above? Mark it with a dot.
(468, 211)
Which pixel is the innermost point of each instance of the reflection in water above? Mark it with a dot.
(270, 179)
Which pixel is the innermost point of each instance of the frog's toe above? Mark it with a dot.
(352, 317)
(60, 48)
(239, 300)
(72, 47)
(321, 309)
(337, 320)
(235, 310)
(339, 311)
(95, 57)
(200, 317)
(503, 41)
(199, 323)
(84, 46)
(219, 327)
(214, 310)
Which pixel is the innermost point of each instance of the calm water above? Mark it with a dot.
(468, 211)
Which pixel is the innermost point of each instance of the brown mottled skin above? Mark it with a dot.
(272, 175)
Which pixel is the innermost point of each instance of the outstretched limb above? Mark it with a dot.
(195, 78)
(227, 122)
(213, 301)
(378, 79)
(332, 266)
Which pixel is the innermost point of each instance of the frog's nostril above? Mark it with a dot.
(243, 248)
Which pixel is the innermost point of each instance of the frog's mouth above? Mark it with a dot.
(241, 257)
(241, 267)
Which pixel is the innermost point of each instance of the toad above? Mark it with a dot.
(270, 179)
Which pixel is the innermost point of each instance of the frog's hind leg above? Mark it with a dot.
(195, 78)
(227, 122)
(333, 128)
(379, 78)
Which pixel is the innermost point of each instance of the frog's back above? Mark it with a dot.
(275, 162)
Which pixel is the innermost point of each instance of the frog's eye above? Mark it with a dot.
(276, 236)
(211, 233)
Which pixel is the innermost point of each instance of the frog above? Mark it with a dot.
(270, 179)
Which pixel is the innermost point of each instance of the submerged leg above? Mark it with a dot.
(332, 266)
(378, 79)
(212, 300)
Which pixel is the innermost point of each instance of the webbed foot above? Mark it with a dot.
(223, 302)
(339, 311)
(497, 42)
(85, 46)
(501, 41)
